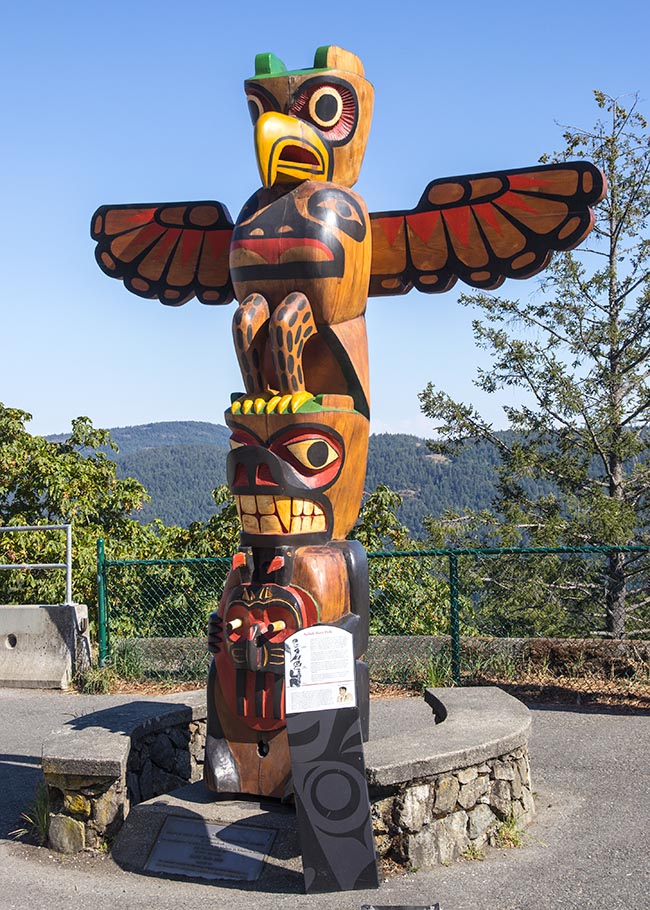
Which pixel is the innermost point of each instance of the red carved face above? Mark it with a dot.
(280, 485)
(257, 618)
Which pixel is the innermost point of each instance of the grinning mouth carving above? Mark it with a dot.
(279, 515)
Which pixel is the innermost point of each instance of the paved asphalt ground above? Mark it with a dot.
(588, 848)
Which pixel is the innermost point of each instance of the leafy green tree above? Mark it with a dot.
(378, 527)
(579, 350)
(409, 594)
(75, 482)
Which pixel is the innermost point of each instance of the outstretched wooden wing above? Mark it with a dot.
(484, 228)
(172, 251)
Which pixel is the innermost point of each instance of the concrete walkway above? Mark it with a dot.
(589, 847)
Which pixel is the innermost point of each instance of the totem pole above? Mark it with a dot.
(301, 260)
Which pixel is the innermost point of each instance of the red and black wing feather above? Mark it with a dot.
(173, 251)
(484, 228)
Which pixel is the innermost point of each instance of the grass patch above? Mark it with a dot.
(437, 670)
(96, 680)
(415, 673)
(36, 817)
(126, 660)
(507, 833)
(473, 852)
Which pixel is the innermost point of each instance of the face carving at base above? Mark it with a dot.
(257, 619)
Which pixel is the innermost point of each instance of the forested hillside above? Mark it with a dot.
(430, 484)
(181, 462)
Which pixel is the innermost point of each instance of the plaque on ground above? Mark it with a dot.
(197, 849)
(400, 907)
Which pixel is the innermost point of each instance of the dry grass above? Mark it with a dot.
(590, 689)
(394, 690)
(167, 686)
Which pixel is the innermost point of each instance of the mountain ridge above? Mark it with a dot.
(181, 462)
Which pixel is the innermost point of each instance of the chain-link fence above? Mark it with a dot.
(552, 621)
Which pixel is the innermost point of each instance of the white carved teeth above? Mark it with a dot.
(279, 515)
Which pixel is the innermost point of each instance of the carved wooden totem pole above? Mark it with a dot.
(301, 260)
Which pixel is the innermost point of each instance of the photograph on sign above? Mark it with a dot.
(319, 670)
(196, 849)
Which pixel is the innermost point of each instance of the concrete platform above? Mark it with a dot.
(141, 829)
(42, 646)
(408, 741)
(587, 849)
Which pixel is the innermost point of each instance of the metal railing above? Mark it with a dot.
(67, 565)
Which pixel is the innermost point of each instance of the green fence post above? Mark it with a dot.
(101, 601)
(454, 618)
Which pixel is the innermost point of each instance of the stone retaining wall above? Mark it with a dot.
(439, 784)
(151, 755)
(162, 762)
(435, 821)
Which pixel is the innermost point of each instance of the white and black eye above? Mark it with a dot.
(260, 101)
(256, 106)
(328, 104)
(325, 106)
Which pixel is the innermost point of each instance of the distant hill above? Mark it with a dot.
(180, 463)
(165, 433)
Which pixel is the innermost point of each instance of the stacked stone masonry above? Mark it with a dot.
(435, 821)
(89, 811)
(428, 807)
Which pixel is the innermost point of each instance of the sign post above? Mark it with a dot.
(327, 764)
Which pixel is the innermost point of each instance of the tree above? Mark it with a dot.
(578, 348)
(409, 594)
(75, 482)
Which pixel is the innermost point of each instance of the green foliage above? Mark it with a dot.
(179, 480)
(576, 351)
(409, 594)
(405, 600)
(437, 670)
(72, 480)
(378, 527)
(54, 482)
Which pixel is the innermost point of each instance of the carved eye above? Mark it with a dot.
(325, 106)
(239, 438)
(337, 208)
(330, 106)
(256, 106)
(315, 454)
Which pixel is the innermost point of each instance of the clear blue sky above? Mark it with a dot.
(142, 101)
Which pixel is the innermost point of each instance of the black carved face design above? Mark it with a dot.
(299, 236)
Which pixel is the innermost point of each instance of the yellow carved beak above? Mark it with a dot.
(289, 150)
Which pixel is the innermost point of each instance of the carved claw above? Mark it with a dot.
(279, 404)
